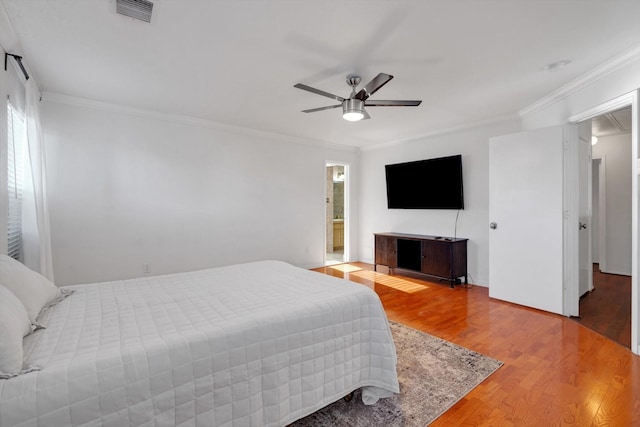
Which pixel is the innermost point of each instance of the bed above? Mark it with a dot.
(257, 344)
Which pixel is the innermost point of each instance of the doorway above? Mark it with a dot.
(336, 213)
(607, 308)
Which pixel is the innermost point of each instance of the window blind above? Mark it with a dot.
(15, 169)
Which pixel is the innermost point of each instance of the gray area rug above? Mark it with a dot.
(434, 374)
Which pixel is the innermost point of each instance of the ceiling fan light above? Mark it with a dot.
(352, 110)
(352, 116)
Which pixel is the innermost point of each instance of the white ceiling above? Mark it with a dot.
(235, 62)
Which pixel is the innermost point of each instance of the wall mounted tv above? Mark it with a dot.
(426, 184)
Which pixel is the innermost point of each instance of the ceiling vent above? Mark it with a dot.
(138, 9)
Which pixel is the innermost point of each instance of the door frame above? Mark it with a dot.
(602, 211)
(587, 164)
(347, 222)
(630, 98)
(570, 208)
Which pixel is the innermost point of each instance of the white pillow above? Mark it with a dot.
(14, 324)
(32, 289)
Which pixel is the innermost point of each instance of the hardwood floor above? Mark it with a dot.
(607, 310)
(556, 371)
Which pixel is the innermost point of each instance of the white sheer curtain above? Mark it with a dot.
(35, 227)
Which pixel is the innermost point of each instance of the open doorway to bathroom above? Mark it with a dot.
(336, 242)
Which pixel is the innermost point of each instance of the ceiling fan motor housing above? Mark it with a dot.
(352, 105)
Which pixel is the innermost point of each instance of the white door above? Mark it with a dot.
(526, 218)
(585, 168)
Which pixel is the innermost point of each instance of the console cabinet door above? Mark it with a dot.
(436, 258)
(386, 251)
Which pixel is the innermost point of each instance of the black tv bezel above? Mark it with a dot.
(434, 206)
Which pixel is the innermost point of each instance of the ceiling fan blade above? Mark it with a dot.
(392, 103)
(313, 110)
(373, 86)
(366, 115)
(318, 92)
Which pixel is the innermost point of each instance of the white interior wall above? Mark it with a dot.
(473, 222)
(127, 190)
(595, 211)
(617, 150)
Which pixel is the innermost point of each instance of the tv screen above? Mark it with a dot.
(426, 184)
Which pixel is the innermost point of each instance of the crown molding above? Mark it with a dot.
(190, 121)
(583, 81)
(446, 131)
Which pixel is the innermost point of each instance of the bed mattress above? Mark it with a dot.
(258, 344)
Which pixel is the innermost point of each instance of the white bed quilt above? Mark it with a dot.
(254, 344)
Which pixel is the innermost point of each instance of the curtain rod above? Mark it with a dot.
(18, 60)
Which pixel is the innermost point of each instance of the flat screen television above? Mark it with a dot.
(426, 184)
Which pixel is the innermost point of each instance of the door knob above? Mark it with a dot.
(493, 226)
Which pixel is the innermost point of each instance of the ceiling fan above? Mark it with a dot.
(353, 107)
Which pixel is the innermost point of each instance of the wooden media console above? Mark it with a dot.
(442, 257)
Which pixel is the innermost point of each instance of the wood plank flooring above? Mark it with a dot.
(607, 309)
(556, 372)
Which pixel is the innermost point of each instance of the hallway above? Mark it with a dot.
(607, 310)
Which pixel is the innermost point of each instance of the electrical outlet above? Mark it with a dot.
(146, 269)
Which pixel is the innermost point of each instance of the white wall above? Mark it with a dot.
(595, 211)
(128, 190)
(473, 222)
(617, 151)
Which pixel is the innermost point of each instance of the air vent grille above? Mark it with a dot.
(138, 9)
